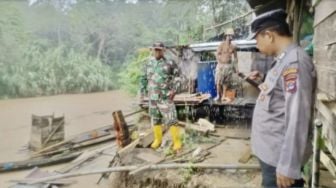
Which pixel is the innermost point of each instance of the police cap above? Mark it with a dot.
(266, 20)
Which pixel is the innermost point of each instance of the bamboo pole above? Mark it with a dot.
(316, 154)
(230, 21)
(151, 167)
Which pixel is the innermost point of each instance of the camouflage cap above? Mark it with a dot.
(158, 46)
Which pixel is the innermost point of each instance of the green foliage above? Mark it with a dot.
(52, 47)
(307, 24)
(187, 173)
(129, 78)
(54, 71)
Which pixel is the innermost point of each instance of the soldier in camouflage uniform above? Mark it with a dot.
(160, 81)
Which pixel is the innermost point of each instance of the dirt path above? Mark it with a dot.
(82, 112)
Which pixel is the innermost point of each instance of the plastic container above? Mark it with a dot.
(206, 77)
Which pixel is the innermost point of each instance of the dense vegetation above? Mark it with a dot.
(52, 47)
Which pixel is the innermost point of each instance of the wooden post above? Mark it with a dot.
(120, 126)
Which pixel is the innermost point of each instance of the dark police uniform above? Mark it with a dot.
(281, 119)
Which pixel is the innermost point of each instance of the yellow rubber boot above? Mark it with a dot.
(176, 138)
(157, 130)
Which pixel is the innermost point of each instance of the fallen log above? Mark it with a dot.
(37, 162)
(151, 167)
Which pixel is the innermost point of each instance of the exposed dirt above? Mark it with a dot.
(228, 152)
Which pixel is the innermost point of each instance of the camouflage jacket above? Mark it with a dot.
(158, 78)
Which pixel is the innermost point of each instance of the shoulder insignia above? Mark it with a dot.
(290, 71)
(290, 77)
(290, 86)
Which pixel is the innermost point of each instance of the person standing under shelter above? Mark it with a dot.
(282, 115)
(160, 81)
(226, 57)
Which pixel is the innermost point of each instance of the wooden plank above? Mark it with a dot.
(323, 10)
(326, 113)
(326, 81)
(85, 156)
(146, 139)
(126, 150)
(85, 136)
(328, 163)
(77, 146)
(324, 97)
(327, 180)
(329, 136)
(59, 125)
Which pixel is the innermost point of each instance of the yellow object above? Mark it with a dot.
(175, 134)
(157, 130)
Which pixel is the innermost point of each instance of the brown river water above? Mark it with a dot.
(83, 112)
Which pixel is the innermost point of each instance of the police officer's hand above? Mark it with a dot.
(171, 94)
(283, 181)
(254, 75)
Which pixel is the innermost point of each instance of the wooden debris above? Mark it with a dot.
(85, 156)
(79, 138)
(38, 173)
(247, 155)
(77, 146)
(39, 161)
(46, 130)
(126, 150)
(146, 138)
(60, 124)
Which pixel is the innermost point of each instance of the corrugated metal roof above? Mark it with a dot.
(241, 45)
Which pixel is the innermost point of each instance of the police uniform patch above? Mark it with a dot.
(290, 77)
(290, 71)
(290, 86)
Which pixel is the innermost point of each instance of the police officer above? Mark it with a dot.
(281, 119)
(160, 81)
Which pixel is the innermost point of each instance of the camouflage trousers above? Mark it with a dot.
(162, 112)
